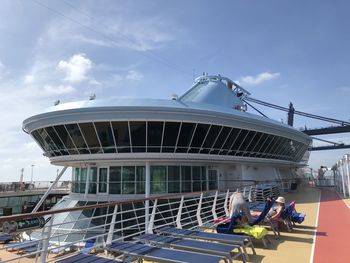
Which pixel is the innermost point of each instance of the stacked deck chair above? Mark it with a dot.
(241, 240)
(152, 253)
(27, 246)
(5, 238)
(215, 249)
(84, 258)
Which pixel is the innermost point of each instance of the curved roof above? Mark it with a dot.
(99, 109)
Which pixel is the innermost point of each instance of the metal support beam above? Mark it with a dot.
(46, 233)
(111, 226)
(179, 213)
(226, 203)
(213, 208)
(147, 194)
(49, 190)
(151, 221)
(199, 209)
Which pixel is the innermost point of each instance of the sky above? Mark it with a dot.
(281, 51)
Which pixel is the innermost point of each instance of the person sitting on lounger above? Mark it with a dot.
(275, 211)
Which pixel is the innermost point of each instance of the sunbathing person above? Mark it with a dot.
(275, 211)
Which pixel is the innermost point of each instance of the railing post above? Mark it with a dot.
(179, 213)
(46, 233)
(151, 221)
(147, 194)
(226, 202)
(199, 208)
(111, 226)
(213, 209)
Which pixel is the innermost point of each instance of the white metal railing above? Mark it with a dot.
(69, 228)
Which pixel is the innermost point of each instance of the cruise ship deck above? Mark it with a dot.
(320, 238)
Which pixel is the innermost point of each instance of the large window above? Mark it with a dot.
(162, 136)
(131, 179)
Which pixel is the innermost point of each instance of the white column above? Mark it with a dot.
(341, 170)
(147, 194)
(87, 181)
(346, 158)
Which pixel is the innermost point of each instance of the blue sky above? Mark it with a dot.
(280, 51)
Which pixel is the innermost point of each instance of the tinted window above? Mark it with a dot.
(158, 179)
(154, 136)
(128, 178)
(49, 143)
(171, 131)
(51, 132)
(247, 141)
(138, 136)
(221, 140)
(185, 136)
(255, 140)
(186, 179)
(230, 139)
(40, 141)
(105, 134)
(238, 142)
(65, 138)
(199, 135)
(77, 137)
(121, 135)
(211, 137)
(90, 136)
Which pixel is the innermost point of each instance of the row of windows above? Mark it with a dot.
(131, 179)
(170, 137)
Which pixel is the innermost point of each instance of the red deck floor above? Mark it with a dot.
(333, 231)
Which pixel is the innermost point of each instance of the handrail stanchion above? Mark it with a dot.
(151, 221)
(179, 213)
(199, 208)
(46, 233)
(226, 202)
(147, 194)
(111, 226)
(213, 208)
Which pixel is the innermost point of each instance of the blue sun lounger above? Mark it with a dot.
(25, 245)
(240, 240)
(83, 258)
(209, 248)
(157, 254)
(5, 238)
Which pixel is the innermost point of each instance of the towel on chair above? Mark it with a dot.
(257, 232)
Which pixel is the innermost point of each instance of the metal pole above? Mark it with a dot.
(147, 194)
(49, 190)
(31, 174)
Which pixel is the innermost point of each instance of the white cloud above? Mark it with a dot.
(28, 79)
(134, 75)
(258, 79)
(3, 70)
(50, 90)
(76, 68)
